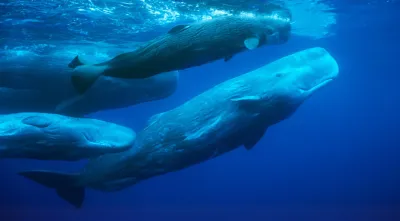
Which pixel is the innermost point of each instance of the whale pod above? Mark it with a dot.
(235, 113)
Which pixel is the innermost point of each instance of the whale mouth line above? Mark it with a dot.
(317, 86)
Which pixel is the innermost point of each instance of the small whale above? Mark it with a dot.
(186, 46)
(235, 113)
(43, 136)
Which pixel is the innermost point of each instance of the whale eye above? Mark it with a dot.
(278, 75)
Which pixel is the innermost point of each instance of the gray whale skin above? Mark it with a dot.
(40, 82)
(55, 137)
(234, 113)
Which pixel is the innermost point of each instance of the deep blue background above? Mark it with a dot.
(336, 158)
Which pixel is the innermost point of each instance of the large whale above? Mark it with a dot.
(36, 78)
(56, 137)
(234, 113)
(186, 46)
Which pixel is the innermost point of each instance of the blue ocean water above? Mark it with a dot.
(336, 158)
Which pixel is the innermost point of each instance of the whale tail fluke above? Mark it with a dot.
(63, 183)
(84, 75)
(75, 62)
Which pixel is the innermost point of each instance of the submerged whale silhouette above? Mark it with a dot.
(40, 82)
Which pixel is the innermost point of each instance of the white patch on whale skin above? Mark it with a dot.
(252, 43)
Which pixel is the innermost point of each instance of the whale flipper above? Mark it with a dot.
(254, 137)
(63, 183)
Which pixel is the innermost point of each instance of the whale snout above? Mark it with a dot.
(321, 69)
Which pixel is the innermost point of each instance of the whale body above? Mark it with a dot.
(232, 114)
(43, 136)
(186, 46)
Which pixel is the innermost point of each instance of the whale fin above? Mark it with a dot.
(252, 43)
(254, 137)
(177, 29)
(83, 77)
(63, 183)
(75, 62)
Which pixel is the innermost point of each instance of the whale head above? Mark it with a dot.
(298, 76)
(310, 70)
(277, 89)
